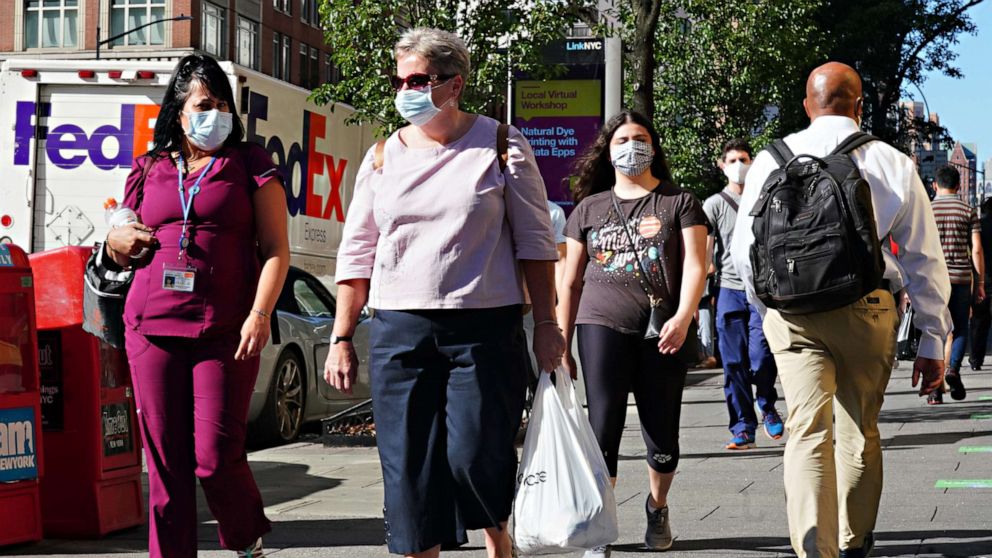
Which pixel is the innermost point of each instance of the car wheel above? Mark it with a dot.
(282, 416)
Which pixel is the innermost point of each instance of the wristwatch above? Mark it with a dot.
(335, 339)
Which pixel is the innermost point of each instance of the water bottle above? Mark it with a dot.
(118, 215)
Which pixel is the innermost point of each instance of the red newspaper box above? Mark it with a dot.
(20, 416)
(92, 482)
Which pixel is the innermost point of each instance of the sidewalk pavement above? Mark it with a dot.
(328, 502)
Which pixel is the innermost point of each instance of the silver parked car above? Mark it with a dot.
(290, 389)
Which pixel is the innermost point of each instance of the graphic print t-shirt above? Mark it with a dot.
(613, 295)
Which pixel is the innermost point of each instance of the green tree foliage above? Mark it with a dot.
(724, 69)
(498, 33)
(893, 44)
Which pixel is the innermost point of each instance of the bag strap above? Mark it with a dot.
(652, 296)
(380, 157)
(780, 151)
(502, 146)
(730, 201)
(852, 142)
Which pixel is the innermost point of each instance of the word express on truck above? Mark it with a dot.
(70, 129)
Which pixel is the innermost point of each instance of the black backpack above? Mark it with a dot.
(816, 245)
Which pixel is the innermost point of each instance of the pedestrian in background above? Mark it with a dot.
(633, 232)
(198, 311)
(747, 360)
(981, 317)
(961, 240)
(833, 483)
(434, 241)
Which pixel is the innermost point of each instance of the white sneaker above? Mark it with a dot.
(598, 552)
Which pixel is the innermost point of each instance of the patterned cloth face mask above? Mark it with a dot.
(632, 158)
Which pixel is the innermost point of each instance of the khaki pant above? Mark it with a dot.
(832, 489)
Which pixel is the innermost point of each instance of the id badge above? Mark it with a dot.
(179, 280)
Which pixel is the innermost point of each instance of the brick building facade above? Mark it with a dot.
(281, 38)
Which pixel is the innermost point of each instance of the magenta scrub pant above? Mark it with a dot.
(192, 399)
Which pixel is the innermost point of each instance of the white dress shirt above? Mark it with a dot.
(902, 210)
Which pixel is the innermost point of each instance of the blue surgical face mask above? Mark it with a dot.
(632, 158)
(209, 129)
(417, 106)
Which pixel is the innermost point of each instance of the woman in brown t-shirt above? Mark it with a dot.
(605, 297)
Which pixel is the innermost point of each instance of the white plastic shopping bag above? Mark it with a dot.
(564, 498)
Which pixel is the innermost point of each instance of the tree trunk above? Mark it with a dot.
(643, 55)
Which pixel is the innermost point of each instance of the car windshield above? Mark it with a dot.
(310, 303)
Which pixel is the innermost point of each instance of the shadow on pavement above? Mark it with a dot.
(928, 439)
(286, 482)
(933, 413)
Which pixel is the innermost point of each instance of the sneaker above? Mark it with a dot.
(773, 425)
(659, 532)
(253, 551)
(953, 379)
(741, 441)
(935, 398)
(864, 551)
(598, 552)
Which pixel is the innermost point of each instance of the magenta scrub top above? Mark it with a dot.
(222, 249)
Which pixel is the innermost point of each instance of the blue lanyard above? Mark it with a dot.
(187, 204)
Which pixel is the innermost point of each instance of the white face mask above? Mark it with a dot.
(209, 129)
(736, 172)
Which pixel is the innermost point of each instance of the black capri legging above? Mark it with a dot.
(613, 365)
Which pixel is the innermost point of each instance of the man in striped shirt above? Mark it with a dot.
(960, 237)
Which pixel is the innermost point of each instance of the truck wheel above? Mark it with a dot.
(282, 417)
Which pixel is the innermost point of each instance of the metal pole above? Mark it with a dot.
(97, 42)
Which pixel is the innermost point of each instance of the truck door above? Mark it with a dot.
(88, 137)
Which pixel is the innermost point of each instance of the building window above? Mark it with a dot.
(314, 67)
(248, 43)
(284, 6)
(131, 14)
(304, 66)
(309, 13)
(51, 24)
(212, 28)
(280, 56)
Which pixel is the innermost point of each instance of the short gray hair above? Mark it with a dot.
(444, 51)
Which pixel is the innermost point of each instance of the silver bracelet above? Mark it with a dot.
(543, 322)
(261, 313)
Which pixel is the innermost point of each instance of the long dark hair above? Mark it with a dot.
(200, 68)
(594, 168)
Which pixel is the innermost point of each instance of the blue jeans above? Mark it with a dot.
(747, 360)
(960, 306)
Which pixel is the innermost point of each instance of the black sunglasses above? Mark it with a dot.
(417, 81)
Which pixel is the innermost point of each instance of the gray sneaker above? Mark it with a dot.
(598, 552)
(659, 532)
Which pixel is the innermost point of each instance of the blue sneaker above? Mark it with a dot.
(864, 551)
(742, 441)
(773, 425)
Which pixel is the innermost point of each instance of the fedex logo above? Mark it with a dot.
(311, 163)
(68, 146)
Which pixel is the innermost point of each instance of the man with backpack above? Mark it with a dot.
(807, 248)
(747, 360)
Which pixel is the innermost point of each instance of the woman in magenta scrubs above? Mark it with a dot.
(198, 311)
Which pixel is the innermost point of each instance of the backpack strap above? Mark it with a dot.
(380, 149)
(852, 142)
(502, 146)
(780, 151)
(730, 201)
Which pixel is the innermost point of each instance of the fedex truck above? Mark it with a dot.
(70, 129)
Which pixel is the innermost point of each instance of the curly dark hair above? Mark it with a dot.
(595, 170)
(193, 68)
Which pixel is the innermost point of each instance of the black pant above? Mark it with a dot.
(981, 320)
(613, 365)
